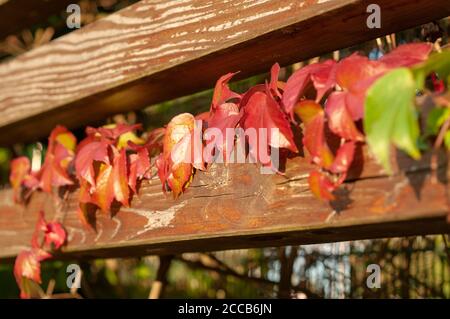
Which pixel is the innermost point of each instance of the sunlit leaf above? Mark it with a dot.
(321, 186)
(340, 121)
(20, 168)
(28, 266)
(390, 116)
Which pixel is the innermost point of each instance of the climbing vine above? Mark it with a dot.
(353, 101)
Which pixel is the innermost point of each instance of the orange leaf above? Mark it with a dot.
(60, 153)
(104, 192)
(344, 158)
(222, 92)
(20, 168)
(306, 110)
(28, 266)
(314, 141)
(321, 186)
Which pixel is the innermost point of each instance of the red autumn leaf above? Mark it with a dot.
(53, 174)
(139, 166)
(356, 68)
(313, 117)
(354, 75)
(104, 191)
(112, 131)
(274, 85)
(61, 136)
(154, 142)
(85, 201)
(180, 178)
(307, 110)
(222, 92)
(133, 176)
(28, 266)
(407, 55)
(90, 150)
(60, 153)
(321, 186)
(324, 78)
(340, 121)
(54, 235)
(226, 116)
(20, 168)
(263, 112)
(344, 158)
(181, 152)
(354, 99)
(204, 116)
(163, 171)
(322, 75)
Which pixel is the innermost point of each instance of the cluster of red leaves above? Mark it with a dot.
(258, 108)
(48, 236)
(109, 164)
(341, 87)
(328, 98)
(54, 171)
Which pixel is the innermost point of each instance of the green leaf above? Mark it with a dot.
(447, 140)
(391, 117)
(437, 62)
(435, 120)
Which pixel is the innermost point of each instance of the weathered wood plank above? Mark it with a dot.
(16, 15)
(156, 50)
(236, 207)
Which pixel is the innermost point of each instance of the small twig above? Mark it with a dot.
(65, 296)
(336, 55)
(394, 40)
(379, 44)
(437, 45)
(159, 284)
(389, 42)
(50, 287)
(36, 158)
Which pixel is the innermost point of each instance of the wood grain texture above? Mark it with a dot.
(16, 15)
(157, 50)
(235, 206)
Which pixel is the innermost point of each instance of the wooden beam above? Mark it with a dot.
(156, 50)
(17, 15)
(235, 206)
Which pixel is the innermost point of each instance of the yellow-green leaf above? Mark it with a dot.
(391, 117)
